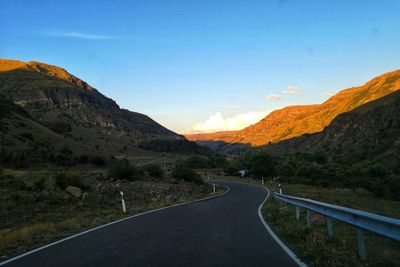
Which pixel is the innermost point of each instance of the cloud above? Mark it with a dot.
(273, 97)
(217, 122)
(293, 90)
(77, 35)
(329, 94)
(91, 36)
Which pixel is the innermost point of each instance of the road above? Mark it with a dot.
(222, 231)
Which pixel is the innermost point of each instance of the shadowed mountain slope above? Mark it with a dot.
(73, 110)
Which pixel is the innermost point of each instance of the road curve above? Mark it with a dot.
(223, 231)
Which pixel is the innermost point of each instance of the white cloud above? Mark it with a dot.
(77, 35)
(329, 94)
(217, 122)
(293, 90)
(273, 97)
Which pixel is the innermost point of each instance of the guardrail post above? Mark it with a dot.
(330, 227)
(297, 213)
(308, 219)
(361, 245)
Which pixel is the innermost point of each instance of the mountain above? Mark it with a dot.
(53, 99)
(370, 132)
(295, 121)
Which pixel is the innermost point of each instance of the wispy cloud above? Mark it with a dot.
(94, 37)
(293, 90)
(217, 122)
(77, 35)
(273, 97)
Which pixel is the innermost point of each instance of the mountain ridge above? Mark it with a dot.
(293, 121)
(78, 114)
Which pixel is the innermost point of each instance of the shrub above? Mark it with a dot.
(11, 182)
(63, 181)
(186, 174)
(232, 168)
(92, 159)
(122, 169)
(263, 165)
(38, 184)
(154, 170)
(26, 135)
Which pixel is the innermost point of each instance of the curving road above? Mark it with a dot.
(222, 231)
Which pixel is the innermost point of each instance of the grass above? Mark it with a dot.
(313, 245)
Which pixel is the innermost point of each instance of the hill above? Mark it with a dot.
(368, 133)
(294, 121)
(76, 114)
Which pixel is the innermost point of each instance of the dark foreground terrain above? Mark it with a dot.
(222, 231)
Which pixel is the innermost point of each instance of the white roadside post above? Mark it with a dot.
(262, 180)
(280, 192)
(213, 188)
(123, 202)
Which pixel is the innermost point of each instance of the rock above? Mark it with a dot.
(99, 188)
(85, 196)
(170, 198)
(318, 220)
(75, 191)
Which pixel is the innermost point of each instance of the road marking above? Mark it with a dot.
(108, 224)
(283, 246)
(274, 236)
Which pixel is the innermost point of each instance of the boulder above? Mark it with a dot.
(99, 187)
(73, 190)
(318, 220)
(170, 198)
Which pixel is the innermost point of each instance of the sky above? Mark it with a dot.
(204, 66)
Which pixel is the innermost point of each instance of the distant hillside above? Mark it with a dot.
(74, 111)
(295, 121)
(370, 132)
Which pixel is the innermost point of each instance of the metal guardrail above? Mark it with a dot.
(381, 225)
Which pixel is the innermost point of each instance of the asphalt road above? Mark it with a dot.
(223, 231)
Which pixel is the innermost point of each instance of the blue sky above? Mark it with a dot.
(207, 65)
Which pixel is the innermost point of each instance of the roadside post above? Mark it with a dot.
(280, 189)
(262, 180)
(123, 202)
(213, 188)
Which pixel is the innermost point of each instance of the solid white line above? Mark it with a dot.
(274, 236)
(107, 224)
(283, 246)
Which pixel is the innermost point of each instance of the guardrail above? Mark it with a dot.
(381, 225)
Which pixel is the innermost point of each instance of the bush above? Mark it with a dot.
(38, 184)
(186, 174)
(63, 181)
(122, 169)
(26, 135)
(154, 170)
(92, 159)
(232, 168)
(263, 165)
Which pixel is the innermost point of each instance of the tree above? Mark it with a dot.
(263, 165)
